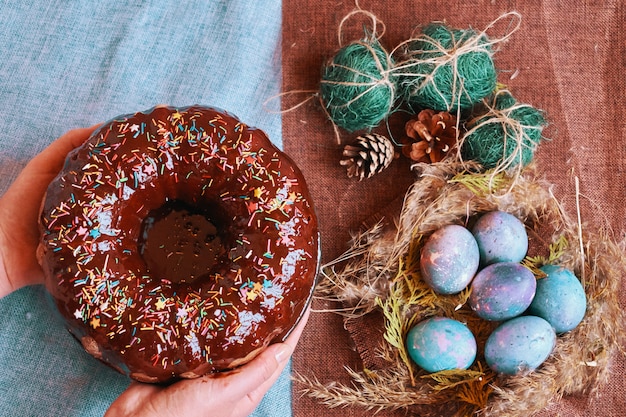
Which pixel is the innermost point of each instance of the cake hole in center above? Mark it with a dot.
(179, 244)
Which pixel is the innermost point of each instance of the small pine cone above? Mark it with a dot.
(432, 135)
(369, 155)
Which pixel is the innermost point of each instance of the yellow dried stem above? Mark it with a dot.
(448, 379)
(482, 184)
(556, 251)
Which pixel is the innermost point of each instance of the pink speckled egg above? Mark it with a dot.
(502, 291)
(519, 345)
(439, 343)
(449, 259)
(501, 237)
(560, 299)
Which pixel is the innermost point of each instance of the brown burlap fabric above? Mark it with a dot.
(569, 59)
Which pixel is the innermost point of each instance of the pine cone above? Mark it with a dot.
(432, 136)
(369, 155)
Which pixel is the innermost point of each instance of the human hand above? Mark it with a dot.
(19, 213)
(231, 394)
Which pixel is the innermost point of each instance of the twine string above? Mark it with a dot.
(384, 79)
(438, 55)
(479, 42)
(311, 94)
(371, 16)
(512, 130)
(375, 82)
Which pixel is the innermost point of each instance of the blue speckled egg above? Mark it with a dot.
(501, 237)
(560, 299)
(449, 259)
(502, 291)
(439, 343)
(519, 345)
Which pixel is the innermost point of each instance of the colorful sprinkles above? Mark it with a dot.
(135, 164)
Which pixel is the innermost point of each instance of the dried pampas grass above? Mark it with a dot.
(379, 275)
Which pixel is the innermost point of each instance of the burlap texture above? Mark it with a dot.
(568, 58)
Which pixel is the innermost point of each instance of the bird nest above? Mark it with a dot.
(378, 281)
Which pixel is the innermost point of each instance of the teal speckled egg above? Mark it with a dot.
(559, 299)
(439, 343)
(449, 259)
(501, 237)
(502, 291)
(519, 345)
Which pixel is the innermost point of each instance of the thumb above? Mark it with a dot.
(261, 372)
(50, 160)
(38, 173)
(258, 376)
(19, 210)
(245, 405)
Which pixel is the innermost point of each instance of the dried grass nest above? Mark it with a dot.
(380, 274)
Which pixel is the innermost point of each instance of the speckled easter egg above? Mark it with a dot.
(559, 299)
(502, 291)
(501, 237)
(440, 343)
(449, 259)
(519, 345)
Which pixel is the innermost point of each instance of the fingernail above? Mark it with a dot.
(282, 352)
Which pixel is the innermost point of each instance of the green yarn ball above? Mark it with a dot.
(356, 88)
(507, 136)
(447, 69)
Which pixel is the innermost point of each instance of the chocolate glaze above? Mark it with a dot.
(181, 244)
(122, 207)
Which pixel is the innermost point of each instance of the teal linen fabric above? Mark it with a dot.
(68, 64)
